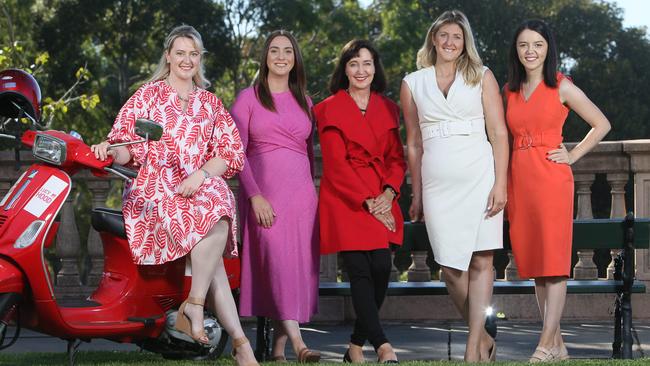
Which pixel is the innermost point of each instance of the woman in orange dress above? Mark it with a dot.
(540, 187)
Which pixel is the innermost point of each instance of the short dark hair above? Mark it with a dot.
(516, 71)
(340, 81)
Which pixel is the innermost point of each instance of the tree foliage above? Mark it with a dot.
(19, 50)
(90, 55)
(121, 42)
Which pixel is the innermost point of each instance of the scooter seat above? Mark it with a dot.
(108, 220)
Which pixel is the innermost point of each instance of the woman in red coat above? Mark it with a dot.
(363, 168)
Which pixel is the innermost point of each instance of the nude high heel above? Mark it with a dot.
(184, 323)
(236, 343)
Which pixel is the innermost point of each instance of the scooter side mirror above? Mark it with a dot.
(148, 129)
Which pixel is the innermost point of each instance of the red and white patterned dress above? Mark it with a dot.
(161, 225)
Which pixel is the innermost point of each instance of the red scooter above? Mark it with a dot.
(132, 304)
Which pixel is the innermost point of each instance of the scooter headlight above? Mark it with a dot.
(29, 235)
(49, 149)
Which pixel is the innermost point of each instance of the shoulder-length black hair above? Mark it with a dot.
(297, 78)
(340, 81)
(516, 71)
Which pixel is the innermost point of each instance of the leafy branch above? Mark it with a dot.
(58, 108)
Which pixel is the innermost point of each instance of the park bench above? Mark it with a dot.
(625, 235)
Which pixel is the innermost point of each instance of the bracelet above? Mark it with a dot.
(206, 175)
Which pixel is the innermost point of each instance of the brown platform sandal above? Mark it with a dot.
(306, 355)
(184, 323)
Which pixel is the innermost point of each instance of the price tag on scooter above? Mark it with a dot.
(45, 196)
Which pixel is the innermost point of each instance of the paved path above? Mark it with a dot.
(413, 341)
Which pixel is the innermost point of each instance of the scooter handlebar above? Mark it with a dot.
(121, 170)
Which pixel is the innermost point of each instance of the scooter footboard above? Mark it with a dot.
(7, 300)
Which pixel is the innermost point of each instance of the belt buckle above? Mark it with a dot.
(527, 141)
(465, 128)
(444, 129)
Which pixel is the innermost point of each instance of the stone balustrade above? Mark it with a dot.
(611, 168)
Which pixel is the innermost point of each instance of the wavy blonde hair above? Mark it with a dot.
(469, 62)
(162, 69)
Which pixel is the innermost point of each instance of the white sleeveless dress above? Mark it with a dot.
(457, 169)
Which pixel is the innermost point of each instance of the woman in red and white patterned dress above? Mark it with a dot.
(180, 202)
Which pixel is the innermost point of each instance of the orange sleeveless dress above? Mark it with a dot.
(540, 192)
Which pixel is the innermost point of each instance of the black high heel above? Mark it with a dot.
(491, 329)
(491, 325)
(346, 357)
(385, 361)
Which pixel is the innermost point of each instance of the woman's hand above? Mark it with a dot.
(560, 155)
(101, 150)
(191, 184)
(382, 203)
(387, 219)
(497, 199)
(263, 211)
(415, 211)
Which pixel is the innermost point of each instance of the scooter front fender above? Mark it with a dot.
(11, 278)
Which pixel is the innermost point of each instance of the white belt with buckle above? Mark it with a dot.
(452, 128)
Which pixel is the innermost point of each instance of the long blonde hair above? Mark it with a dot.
(469, 62)
(162, 69)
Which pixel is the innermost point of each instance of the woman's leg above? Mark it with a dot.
(380, 266)
(222, 302)
(280, 338)
(357, 265)
(284, 330)
(554, 299)
(203, 269)
(458, 285)
(292, 329)
(481, 280)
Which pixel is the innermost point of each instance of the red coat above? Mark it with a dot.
(361, 155)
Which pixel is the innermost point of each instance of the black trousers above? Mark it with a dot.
(369, 272)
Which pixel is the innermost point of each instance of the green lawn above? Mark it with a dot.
(146, 359)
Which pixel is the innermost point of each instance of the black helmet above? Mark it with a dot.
(17, 87)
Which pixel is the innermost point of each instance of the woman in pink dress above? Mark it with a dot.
(277, 199)
(180, 202)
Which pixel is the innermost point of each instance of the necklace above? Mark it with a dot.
(183, 99)
(363, 110)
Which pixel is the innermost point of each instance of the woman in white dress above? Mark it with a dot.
(458, 174)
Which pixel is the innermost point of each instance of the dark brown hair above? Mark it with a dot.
(516, 71)
(297, 78)
(351, 50)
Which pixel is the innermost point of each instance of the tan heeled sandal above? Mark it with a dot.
(236, 343)
(184, 323)
(563, 353)
(542, 354)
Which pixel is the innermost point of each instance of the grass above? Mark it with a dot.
(97, 358)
